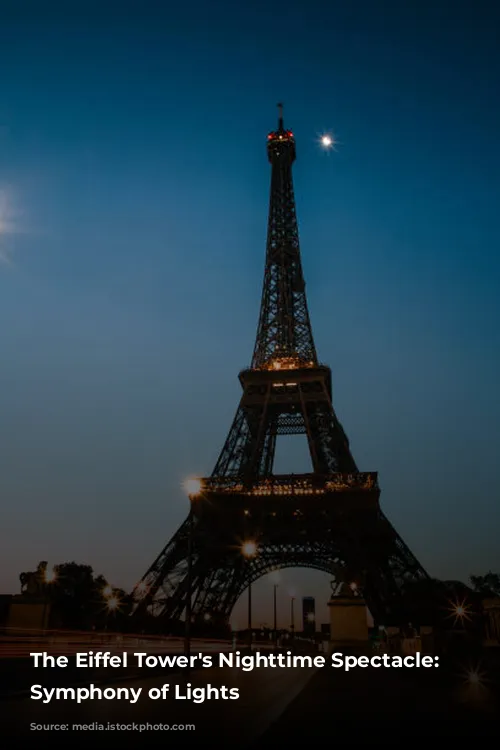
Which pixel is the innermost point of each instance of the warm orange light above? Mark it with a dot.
(460, 611)
(249, 549)
(50, 576)
(192, 486)
(284, 363)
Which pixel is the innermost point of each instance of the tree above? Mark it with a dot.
(445, 604)
(487, 585)
(81, 600)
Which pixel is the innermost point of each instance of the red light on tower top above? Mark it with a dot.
(281, 142)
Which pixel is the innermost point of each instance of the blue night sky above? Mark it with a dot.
(133, 206)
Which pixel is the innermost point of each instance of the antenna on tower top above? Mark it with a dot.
(280, 121)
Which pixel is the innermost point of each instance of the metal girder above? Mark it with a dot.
(249, 448)
(363, 543)
(284, 328)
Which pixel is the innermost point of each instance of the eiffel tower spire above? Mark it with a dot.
(284, 331)
(271, 404)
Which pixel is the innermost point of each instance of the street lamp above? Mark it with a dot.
(461, 611)
(112, 604)
(49, 576)
(275, 588)
(275, 578)
(193, 488)
(249, 550)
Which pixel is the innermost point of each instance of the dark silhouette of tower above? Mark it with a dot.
(329, 519)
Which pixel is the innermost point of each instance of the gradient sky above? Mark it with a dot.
(133, 205)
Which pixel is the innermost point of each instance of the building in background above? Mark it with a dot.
(308, 615)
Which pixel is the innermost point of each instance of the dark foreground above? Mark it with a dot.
(280, 707)
(387, 706)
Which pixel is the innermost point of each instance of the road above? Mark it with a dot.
(456, 705)
(16, 666)
(67, 644)
(264, 695)
(284, 707)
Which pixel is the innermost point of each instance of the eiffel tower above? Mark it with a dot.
(245, 521)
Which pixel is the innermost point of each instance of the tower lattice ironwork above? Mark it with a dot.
(329, 519)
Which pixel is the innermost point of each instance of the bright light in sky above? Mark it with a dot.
(327, 141)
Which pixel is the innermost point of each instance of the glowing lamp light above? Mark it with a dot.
(476, 680)
(460, 611)
(192, 486)
(249, 549)
(50, 576)
(326, 141)
(113, 604)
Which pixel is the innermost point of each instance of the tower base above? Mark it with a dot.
(348, 624)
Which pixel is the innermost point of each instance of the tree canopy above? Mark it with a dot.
(82, 600)
(488, 585)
